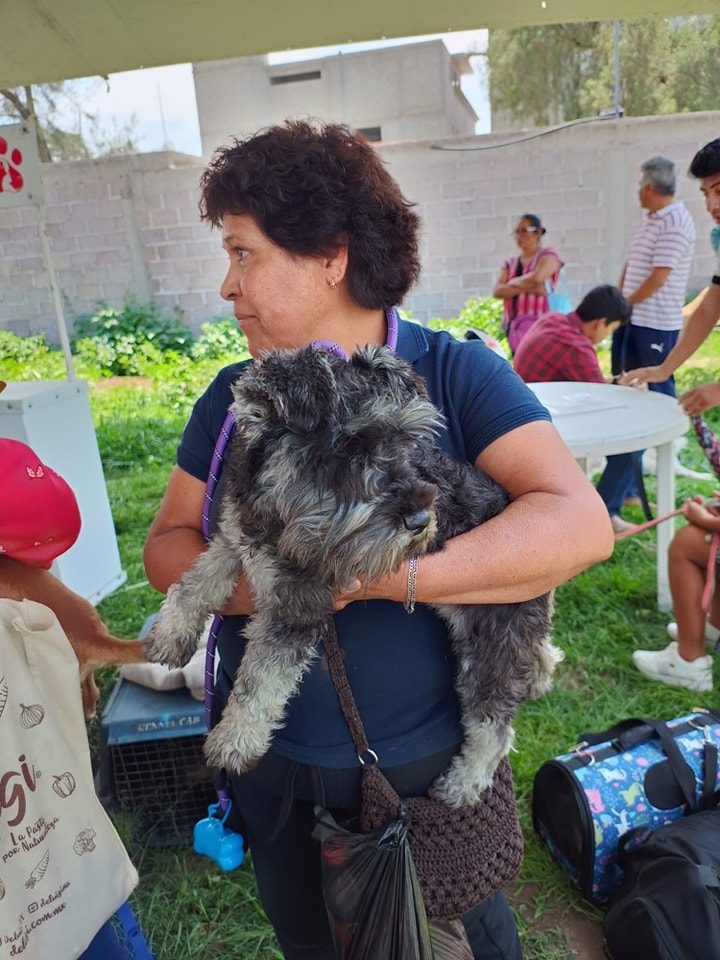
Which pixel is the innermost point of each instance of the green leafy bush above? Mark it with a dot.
(219, 339)
(130, 338)
(22, 349)
(484, 313)
(480, 313)
(29, 358)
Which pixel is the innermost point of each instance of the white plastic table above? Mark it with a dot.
(600, 419)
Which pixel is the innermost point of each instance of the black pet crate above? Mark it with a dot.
(151, 762)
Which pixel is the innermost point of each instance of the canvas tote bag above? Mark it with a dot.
(63, 868)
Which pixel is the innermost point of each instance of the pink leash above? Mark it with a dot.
(710, 570)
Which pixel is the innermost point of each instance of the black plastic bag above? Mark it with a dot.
(373, 897)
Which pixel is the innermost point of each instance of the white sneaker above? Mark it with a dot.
(669, 667)
(712, 635)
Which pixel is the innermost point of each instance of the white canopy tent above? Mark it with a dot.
(58, 39)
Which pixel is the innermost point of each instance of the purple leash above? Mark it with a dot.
(212, 481)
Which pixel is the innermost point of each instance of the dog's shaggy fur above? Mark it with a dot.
(334, 474)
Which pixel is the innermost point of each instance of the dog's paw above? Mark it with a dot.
(222, 752)
(457, 788)
(163, 646)
(550, 656)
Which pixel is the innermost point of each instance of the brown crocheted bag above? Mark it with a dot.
(461, 856)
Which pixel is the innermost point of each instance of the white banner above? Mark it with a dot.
(20, 182)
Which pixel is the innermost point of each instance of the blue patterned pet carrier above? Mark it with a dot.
(639, 773)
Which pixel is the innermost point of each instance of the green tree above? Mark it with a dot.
(65, 130)
(698, 59)
(565, 71)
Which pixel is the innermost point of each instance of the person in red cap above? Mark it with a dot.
(39, 515)
(39, 520)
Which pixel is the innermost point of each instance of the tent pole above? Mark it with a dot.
(55, 290)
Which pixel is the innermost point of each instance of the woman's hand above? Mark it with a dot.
(529, 284)
(697, 401)
(703, 515)
(391, 587)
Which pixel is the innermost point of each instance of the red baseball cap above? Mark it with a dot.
(39, 515)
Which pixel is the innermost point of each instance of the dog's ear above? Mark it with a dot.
(392, 372)
(297, 387)
(383, 416)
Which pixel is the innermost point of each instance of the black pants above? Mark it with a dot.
(277, 799)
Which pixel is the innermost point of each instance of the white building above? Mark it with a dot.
(407, 92)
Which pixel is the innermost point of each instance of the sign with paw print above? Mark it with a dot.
(20, 182)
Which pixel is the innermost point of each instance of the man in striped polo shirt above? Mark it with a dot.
(654, 281)
(705, 168)
(656, 273)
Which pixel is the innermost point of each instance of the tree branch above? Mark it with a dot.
(15, 100)
(27, 112)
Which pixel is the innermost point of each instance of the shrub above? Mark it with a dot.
(129, 338)
(219, 339)
(481, 313)
(22, 349)
(29, 358)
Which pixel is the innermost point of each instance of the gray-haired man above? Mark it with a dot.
(705, 168)
(656, 273)
(654, 280)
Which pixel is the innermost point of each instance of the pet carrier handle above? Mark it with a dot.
(612, 733)
(630, 733)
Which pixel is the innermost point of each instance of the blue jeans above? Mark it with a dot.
(618, 481)
(643, 347)
(633, 347)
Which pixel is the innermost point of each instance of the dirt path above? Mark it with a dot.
(583, 935)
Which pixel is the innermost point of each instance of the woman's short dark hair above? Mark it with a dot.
(313, 188)
(534, 221)
(706, 162)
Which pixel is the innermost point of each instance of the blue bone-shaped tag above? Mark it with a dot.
(211, 838)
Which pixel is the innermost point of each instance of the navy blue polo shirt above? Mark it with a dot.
(401, 666)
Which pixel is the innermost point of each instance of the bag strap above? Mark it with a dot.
(682, 772)
(710, 768)
(348, 706)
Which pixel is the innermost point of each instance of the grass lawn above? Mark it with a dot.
(186, 906)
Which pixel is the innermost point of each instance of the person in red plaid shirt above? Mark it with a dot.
(561, 346)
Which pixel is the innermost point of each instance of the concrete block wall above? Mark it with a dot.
(581, 181)
(125, 225)
(130, 224)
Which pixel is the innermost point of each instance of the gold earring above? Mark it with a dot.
(332, 283)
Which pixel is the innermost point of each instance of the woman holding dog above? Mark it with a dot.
(322, 246)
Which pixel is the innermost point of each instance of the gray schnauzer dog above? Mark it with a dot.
(334, 474)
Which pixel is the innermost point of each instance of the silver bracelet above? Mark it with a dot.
(411, 586)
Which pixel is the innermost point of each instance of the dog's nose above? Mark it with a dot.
(417, 522)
